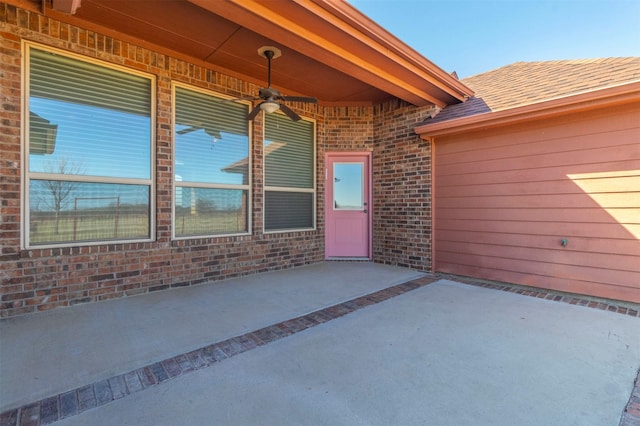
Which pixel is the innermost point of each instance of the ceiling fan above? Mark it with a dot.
(272, 99)
(208, 130)
(214, 133)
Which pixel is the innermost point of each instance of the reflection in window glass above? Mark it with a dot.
(201, 211)
(289, 152)
(211, 165)
(347, 186)
(63, 211)
(93, 139)
(90, 151)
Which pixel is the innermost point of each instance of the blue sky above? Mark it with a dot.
(472, 37)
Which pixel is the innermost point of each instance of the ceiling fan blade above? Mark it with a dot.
(299, 99)
(246, 98)
(213, 133)
(254, 112)
(292, 115)
(188, 130)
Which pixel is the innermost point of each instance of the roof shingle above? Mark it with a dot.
(525, 83)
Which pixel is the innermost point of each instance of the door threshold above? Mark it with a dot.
(359, 259)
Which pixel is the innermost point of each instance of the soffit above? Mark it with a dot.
(329, 50)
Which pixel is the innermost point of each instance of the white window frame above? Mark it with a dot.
(27, 176)
(312, 191)
(246, 187)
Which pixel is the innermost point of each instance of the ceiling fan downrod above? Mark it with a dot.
(269, 55)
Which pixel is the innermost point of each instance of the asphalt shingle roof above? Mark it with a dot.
(525, 83)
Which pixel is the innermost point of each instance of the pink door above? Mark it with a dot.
(348, 205)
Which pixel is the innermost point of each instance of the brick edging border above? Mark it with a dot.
(556, 296)
(76, 401)
(631, 413)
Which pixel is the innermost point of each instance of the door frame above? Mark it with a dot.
(328, 204)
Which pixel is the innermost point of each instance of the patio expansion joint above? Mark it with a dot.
(76, 401)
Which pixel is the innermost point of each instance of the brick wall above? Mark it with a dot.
(402, 187)
(344, 129)
(42, 279)
(401, 176)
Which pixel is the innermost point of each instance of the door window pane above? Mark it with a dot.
(347, 186)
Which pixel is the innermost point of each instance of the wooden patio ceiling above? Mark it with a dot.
(330, 50)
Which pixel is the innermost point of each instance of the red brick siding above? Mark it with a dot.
(401, 176)
(402, 187)
(9, 151)
(345, 129)
(42, 279)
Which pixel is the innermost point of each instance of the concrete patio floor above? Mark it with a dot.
(441, 353)
(48, 353)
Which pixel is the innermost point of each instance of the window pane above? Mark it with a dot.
(347, 186)
(204, 211)
(204, 159)
(288, 152)
(211, 137)
(86, 116)
(288, 210)
(66, 211)
(66, 79)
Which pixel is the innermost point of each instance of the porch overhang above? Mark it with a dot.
(335, 33)
(330, 50)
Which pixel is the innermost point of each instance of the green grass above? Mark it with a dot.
(89, 228)
(98, 227)
(220, 222)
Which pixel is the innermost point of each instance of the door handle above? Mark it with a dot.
(365, 211)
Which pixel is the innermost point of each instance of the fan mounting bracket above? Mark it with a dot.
(276, 52)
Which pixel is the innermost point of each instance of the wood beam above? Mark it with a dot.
(264, 19)
(66, 6)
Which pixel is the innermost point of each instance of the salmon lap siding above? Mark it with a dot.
(506, 200)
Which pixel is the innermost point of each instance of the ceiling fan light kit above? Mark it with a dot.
(269, 106)
(272, 99)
